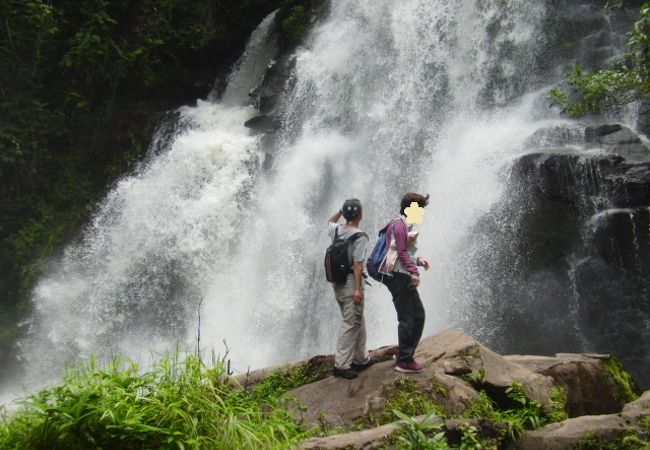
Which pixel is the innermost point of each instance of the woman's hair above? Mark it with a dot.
(407, 199)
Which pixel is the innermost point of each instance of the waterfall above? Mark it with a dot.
(385, 98)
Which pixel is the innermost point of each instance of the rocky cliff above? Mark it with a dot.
(567, 249)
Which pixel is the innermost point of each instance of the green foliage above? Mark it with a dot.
(429, 435)
(527, 414)
(420, 435)
(407, 397)
(469, 439)
(622, 378)
(589, 442)
(630, 441)
(294, 27)
(273, 386)
(475, 378)
(559, 398)
(177, 405)
(608, 89)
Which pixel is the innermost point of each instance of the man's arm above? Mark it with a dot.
(357, 267)
(335, 217)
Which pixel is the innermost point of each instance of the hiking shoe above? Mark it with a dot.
(409, 367)
(364, 366)
(345, 373)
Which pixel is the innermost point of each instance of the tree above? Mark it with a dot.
(611, 88)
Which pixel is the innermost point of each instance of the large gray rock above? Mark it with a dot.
(364, 439)
(606, 429)
(589, 387)
(618, 140)
(450, 358)
(565, 435)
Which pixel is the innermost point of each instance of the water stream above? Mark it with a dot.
(387, 97)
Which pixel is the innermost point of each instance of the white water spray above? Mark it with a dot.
(388, 97)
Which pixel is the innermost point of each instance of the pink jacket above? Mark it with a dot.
(399, 229)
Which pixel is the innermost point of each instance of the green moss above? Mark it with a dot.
(294, 27)
(526, 414)
(281, 381)
(439, 388)
(406, 396)
(476, 378)
(644, 423)
(630, 441)
(589, 442)
(622, 378)
(559, 412)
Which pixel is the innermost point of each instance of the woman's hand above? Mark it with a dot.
(415, 280)
(424, 263)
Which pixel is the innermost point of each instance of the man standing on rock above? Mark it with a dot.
(404, 281)
(351, 355)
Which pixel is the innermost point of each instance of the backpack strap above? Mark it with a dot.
(349, 241)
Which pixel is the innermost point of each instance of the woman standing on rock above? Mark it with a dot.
(405, 279)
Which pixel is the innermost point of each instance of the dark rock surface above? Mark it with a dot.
(567, 249)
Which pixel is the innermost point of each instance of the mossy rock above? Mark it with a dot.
(629, 391)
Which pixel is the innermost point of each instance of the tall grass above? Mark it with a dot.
(177, 405)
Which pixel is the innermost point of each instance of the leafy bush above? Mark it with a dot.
(609, 89)
(415, 434)
(177, 405)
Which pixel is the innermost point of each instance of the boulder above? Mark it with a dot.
(364, 439)
(597, 430)
(565, 435)
(263, 124)
(590, 388)
(556, 136)
(458, 354)
(455, 364)
(638, 409)
(618, 140)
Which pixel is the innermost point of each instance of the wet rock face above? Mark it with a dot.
(567, 251)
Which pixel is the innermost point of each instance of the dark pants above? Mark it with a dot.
(410, 314)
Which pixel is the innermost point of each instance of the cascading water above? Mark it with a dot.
(385, 97)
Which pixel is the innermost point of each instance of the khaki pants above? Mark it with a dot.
(351, 345)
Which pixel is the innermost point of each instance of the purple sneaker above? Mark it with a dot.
(409, 367)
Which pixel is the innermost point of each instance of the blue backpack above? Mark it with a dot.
(378, 256)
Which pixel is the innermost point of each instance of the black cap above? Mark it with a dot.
(351, 209)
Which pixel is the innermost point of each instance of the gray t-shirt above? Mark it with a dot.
(358, 248)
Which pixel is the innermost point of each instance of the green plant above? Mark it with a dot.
(178, 404)
(608, 89)
(526, 414)
(559, 398)
(475, 378)
(589, 442)
(416, 435)
(294, 26)
(469, 439)
(406, 396)
(622, 378)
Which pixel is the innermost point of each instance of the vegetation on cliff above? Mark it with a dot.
(608, 89)
(82, 87)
